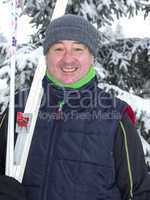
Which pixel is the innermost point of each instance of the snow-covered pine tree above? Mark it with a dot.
(127, 62)
(99, 12)
(119, 31)
(26, 62)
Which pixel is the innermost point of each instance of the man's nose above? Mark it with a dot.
(68, 55)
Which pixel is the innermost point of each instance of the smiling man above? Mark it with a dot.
(65, 60)
(85, 144)
(70, 45)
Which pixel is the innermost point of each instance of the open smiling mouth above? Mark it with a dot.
(69, 69)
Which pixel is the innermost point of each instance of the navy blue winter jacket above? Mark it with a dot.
(84, 148)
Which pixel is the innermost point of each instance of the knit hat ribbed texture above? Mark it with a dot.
(71, 27)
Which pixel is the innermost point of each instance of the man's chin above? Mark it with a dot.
(68, 81)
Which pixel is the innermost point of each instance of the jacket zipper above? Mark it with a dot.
(50, 154)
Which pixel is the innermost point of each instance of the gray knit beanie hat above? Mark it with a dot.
(71, 27)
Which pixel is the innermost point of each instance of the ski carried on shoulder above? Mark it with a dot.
(16, 160)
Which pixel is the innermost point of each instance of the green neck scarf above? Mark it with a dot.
(85, 79)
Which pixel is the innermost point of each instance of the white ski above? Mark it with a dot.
(32, 107)
(14, 5)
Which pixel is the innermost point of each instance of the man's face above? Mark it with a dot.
(68, 61)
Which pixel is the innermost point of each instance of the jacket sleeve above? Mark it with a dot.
(11, 189)
(132, 175)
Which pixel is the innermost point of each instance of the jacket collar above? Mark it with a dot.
(71, 98)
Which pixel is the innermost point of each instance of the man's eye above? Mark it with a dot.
(59, 49)
(78, 49)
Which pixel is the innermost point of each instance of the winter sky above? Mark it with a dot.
(135, 27)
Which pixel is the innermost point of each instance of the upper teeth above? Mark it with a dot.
(69, 69)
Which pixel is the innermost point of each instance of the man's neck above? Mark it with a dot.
(78, 84)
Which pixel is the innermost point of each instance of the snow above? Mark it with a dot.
(135, 27)
(3, 85)
(146, 149)
(24, 55)
(88, 8)
(28, 54)
(101, 72)
(104, 3)
(137, 103)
